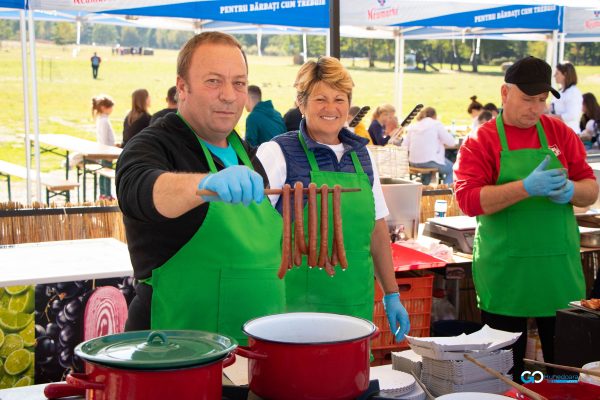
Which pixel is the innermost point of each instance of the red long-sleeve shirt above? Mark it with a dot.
(478, 162)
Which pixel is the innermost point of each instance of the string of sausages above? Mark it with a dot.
(292, 252)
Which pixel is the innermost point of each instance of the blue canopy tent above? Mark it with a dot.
(401, 19)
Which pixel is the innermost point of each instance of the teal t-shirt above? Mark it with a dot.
(225, 154)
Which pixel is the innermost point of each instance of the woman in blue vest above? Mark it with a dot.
(323, 151)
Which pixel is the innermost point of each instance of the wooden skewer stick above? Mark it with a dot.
(520, 388)
(427, 392)
(204, 192)
(564, 367)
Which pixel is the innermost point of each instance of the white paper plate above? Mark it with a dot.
(472, 396)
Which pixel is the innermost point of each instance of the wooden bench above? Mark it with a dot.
(414, 172)
(54, 186)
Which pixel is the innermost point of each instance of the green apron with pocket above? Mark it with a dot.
(349, 292)
(227, 273)
(526, 259)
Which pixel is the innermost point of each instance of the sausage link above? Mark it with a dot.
(338, 233)
(312, 225)
(286, 256)
(324, 249)
(297, 255)
(299, 218)
(334, 260)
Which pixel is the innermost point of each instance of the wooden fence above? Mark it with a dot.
(40, 223)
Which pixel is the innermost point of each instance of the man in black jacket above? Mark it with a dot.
(180, 242)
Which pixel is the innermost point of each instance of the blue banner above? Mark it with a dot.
(302, 13)
(543, 17)
(12, 4)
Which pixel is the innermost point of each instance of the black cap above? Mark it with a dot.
(532, 75)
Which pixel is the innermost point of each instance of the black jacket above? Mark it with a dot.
(166, 146)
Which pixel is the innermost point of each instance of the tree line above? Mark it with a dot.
(459, 52)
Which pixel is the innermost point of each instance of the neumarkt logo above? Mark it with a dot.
(538, 376)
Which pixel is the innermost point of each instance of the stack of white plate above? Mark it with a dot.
(395, 384)
(452, 376)
(407, 361)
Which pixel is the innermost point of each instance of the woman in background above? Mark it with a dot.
(568, 106)
(377, 128)
(475, 108)
(139, 117)
(590, 120)
(102, 107)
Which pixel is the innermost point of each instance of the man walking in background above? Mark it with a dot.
(171, 105)
(95, 65)
(264, 122)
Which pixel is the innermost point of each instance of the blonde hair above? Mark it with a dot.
(326, 69)
(184, 59)
(427, 112)
(139, 105)
(100, 101)
(386, 108)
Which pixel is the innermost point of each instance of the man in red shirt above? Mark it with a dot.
(521, 174)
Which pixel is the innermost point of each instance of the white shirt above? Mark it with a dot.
(104, 131)
(569, 107)
(272, 159)
(589, 126)
(425, 141)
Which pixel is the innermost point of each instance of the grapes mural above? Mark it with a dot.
(59, 315)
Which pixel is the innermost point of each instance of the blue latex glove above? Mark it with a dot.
(397, 315)
(564, 194)
(235, 184)
(541, 182)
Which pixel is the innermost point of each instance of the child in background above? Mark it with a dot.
(102, 107)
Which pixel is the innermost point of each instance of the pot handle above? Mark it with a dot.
(245, 352)
(229, 360)
(375, 333)
(60, 390)
(81, 381)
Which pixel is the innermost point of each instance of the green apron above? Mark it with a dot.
(526, 257)
(227, 273)
(349, 292)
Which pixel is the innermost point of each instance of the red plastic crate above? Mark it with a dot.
(416, 296)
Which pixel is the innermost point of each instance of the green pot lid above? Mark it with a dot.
(156, 349)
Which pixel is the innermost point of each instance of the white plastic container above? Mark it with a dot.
(440, 208)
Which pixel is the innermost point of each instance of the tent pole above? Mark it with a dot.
(561, 50)
(304, 47)
(23, 29)
(333, 46)
(328, 43)
(78, 35)
(259, 41)
(34, 103)
(398, 71)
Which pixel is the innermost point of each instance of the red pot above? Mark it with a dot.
(155, 369)
(308, 356)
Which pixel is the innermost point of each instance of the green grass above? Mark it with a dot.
(65, 89)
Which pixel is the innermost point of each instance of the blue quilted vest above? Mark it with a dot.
(297, 165)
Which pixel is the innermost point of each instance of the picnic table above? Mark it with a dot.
(63, 145)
